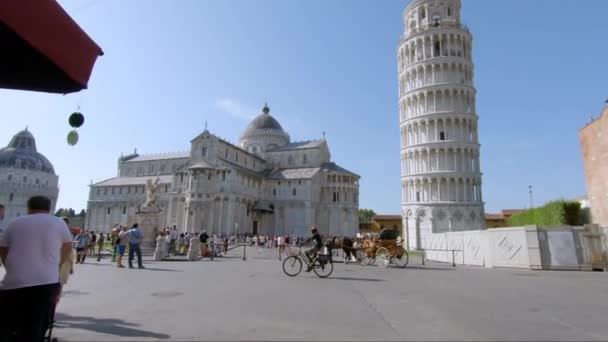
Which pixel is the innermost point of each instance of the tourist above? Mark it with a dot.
(225, 245)
(33, 248)
(122, 242)
(173, 239)
(81, 241)
(161, 246)
(181, 243)
(91, 243)
(100, 241)
(281, 244)
(204, 238)
(113, 241)
(135, 238)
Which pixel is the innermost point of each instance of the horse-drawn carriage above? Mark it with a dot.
(387, 248)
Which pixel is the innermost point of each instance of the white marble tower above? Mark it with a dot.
(441, 176)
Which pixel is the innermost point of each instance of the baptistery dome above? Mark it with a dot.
(21, 153)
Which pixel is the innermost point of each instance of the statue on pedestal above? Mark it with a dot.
(151, 205)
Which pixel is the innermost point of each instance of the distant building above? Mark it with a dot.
(380, 222)
(266, 184)
(500, 220)
(24, 173)
(594, 144)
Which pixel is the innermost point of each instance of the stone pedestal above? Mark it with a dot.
(150, 223)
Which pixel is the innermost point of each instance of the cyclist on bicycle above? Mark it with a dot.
(318, 243)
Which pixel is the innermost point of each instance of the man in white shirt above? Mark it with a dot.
(32, 249)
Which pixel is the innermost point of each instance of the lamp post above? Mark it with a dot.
(531, 197)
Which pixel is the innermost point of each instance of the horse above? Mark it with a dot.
(344, 243)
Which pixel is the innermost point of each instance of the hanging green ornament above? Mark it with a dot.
(76, 119)
(72, 138)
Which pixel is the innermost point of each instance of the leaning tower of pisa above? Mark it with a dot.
(440, 171)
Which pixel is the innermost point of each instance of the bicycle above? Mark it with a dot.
(323, 264)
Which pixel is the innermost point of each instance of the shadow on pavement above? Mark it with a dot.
(425, 268)
(108, 326)
(161, 269)
(355, 279)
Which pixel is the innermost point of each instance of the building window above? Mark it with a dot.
(129, 190)
(112, 191)
(151, 169)
(120, 190)
(226, 156)
(442, 136)
(181, 177)
(299, 182)
(274, 192)
(294, 191)
(105, 191)
(224, 176)
(124, 210)
(204, 151)
(449, 11)
(24, 179)
(98, 191)
(208, 175)
(162, 168)
(422, 13)
(10, 197)
(417, 196)
(10, 177)
(109, 210)
(236, 156)
(305, 159)
(37, 181)
(290, 160)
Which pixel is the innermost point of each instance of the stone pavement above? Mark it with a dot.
(231, 299)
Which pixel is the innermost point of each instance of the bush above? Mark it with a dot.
(556, 213)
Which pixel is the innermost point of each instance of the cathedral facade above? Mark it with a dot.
(264, 185)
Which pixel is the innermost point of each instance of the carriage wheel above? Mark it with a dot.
(367, 260)
(292, 266)
(383, 256)
(401, 261)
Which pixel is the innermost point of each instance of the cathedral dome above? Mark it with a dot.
(264, 132)
(21, 153)
(264, 121)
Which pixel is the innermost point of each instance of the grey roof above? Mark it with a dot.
(122, 181)
(264, 121)
(202, 165)
(160, 156)
(21, 153)
(243, 169)
(333, 167)
(301, 145)
(298, 173)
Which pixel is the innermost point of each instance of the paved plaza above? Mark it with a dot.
(231, 299)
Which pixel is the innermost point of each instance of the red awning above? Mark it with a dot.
(43, 49)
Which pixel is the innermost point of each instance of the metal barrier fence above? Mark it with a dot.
(424, 250)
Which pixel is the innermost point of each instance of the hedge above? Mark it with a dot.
(551, 214)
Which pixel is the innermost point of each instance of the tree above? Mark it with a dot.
(83, 213)
(71, 212)
(59, 213)
(365, 215)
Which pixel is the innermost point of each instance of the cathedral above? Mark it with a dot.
(264, 185)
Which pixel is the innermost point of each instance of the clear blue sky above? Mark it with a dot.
(169, 66)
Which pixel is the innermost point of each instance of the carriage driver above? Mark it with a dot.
(318, 243)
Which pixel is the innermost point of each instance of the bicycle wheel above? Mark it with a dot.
(383, 256)
(402, 260)
(292, 266)
(323, 271)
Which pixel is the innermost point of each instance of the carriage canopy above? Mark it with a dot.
(389, 234)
